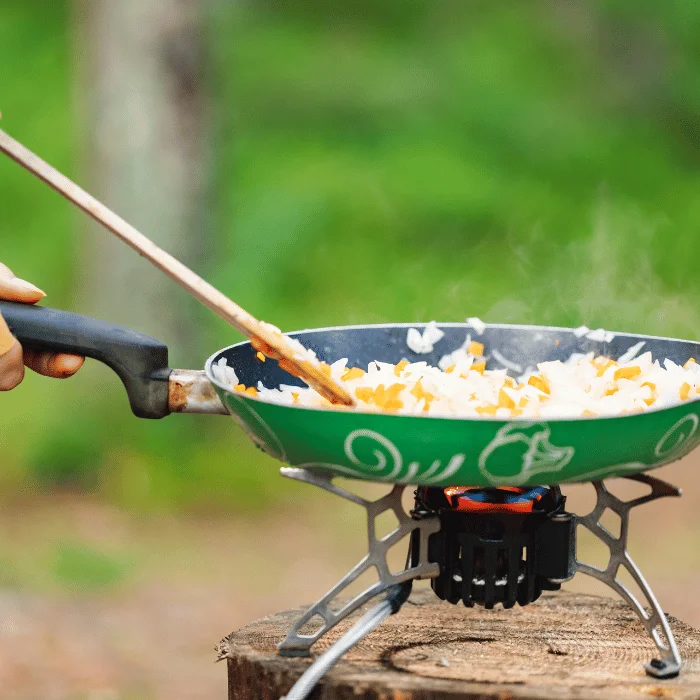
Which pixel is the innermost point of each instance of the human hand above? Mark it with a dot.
(12, 357)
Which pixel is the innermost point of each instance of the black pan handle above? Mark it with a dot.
(140, 361)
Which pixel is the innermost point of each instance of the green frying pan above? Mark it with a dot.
(428, 451)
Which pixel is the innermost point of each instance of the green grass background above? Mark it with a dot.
(399, 160)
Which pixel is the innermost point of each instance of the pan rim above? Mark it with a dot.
(486, 419)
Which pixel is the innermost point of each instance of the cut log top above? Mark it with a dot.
(563, 646)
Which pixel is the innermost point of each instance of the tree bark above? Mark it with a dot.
(142, 66)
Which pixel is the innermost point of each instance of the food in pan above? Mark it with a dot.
(585, 385)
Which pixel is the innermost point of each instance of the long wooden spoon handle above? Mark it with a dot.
(275, 344)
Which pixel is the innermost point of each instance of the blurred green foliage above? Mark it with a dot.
(403, 160)
(79, 566)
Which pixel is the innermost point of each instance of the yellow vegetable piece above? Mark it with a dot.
(691, 361)
(383, 397)
(504, 401)
(603, 366)
(420, 393)
(685, 390)
(627, 372)
(386, 398)
(612, 391)
(364, 393)
(450, 369)
(239, 387)
(379, 395)
(260, 356)
(295, 396)
(539, 382)
(353, 373)
(476, 349)
(648, 402)
(400, 367)
(479, 367)
(251, 391)
(487, 410)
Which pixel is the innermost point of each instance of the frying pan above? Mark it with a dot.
(429, 451)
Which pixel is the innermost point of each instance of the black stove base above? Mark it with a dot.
(504, 558)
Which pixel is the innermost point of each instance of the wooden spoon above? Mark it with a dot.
(262, 337)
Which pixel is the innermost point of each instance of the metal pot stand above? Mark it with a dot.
(425, 528)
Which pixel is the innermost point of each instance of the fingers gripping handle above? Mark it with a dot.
(140, 361)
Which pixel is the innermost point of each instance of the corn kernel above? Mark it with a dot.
(479, 367)
(685, 390)
(450, 369)
(260, 356)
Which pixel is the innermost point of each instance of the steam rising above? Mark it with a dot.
(606, 280)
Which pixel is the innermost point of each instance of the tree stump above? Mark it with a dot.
(563, 646)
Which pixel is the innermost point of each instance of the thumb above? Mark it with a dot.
(15, 289)
(7, 340)
(11, 367)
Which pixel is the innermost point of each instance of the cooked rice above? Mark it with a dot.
(477, 324)
(601, 335)
(584, 385)
(423, 343)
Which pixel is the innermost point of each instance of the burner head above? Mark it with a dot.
(499, 545)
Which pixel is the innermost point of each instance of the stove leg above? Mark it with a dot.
(297, 644)
(669, 663)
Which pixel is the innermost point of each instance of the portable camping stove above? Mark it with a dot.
(483, 546)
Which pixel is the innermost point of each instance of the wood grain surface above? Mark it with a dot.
(563, 646)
